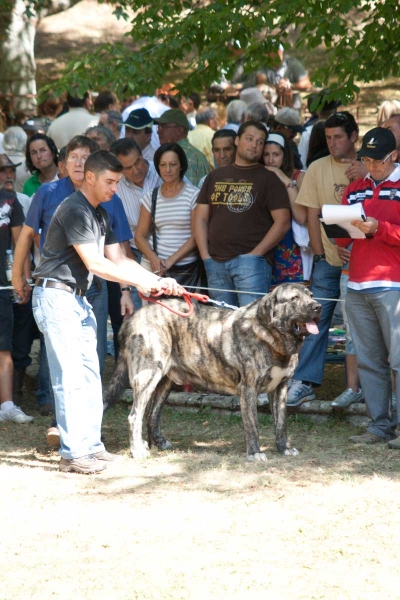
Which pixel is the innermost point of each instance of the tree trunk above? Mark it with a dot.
(17, 74)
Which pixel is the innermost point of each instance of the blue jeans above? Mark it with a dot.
(44, 392)
(325, 284)
(246, 272)
(68, 325)
(98, 298)
(137, 302)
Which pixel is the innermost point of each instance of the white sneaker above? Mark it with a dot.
(262, 399)
(346, 398)
(15, 414)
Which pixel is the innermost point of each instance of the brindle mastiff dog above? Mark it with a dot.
(245, 352)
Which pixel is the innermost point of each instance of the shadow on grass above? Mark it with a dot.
(205, 441)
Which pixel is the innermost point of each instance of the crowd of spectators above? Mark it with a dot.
(230, 195)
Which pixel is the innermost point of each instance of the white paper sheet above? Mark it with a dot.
(343, 215)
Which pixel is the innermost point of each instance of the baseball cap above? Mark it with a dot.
(139, 119)
(289, 117)
(34, 125)
(377, 143)
(174, 115)
(6, 162)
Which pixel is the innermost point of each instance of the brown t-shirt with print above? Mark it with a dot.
(240, 199)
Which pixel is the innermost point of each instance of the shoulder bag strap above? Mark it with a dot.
(153, 216)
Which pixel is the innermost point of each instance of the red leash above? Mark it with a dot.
(187, 297)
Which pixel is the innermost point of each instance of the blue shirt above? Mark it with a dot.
(50, 195)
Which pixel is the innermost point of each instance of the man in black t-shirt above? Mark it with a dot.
(242, 212)
(80, 243)
(14, 319)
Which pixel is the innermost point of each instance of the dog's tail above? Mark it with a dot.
(119, 382)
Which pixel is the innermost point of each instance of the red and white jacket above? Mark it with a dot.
(375, 262)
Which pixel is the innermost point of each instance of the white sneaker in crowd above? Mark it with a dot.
(262, 399)
(346, 398)
(15, 414)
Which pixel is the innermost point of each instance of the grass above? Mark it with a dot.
(199, 522)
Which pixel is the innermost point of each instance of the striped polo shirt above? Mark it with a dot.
(173, 222)
(131, 196)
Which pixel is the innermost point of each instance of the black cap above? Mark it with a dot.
(377, 143)
(34, 125)
(139, 119)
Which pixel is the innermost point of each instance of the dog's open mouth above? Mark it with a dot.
(306, 328)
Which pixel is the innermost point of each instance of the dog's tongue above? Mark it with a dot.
(312, 327)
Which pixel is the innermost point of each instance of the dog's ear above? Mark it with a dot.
(264, 318)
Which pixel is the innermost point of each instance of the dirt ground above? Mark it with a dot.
(199, 522)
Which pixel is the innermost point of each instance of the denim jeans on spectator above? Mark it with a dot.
(44, 392)
(325, 284)
(68, 325)
(245, 272)
(135, 294)
(98, 298)
(375, 328)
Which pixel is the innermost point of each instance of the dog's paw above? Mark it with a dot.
(257, 457)
(140, 452)
(291, 452)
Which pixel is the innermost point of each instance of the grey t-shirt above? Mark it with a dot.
(75, 221)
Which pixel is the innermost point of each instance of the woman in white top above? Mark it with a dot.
(169, 247)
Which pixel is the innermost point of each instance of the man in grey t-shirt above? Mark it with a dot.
(80, 243)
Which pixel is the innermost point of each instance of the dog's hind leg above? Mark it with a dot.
(277, 400)
(248, 407)
(153, 414)
(144, 384)
(119, 382)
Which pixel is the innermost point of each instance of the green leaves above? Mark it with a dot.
(198, 40)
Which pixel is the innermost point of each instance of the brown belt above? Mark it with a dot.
(58, 285)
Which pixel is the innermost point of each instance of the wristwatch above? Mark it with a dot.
(292, 184)
(318, 257)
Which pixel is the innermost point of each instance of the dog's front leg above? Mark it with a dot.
(248, 407)
(139, 448)
(143, 385)
(277, 400)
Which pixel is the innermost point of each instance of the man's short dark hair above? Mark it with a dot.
(224, 133)
(101, 161)
(76, 101)
(103, 101)
(248, 124)
(342, 119)
(35, 137)
(81, 141)
(124, 147)
(195, 98)
(171, 147)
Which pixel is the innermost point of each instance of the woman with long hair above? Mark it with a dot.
(41, 161)
(288, 261)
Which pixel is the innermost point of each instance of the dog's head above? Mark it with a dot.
(289, 313)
